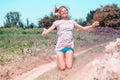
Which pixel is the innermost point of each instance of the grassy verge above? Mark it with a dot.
(18, 42)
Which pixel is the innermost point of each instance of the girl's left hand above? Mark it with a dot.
(96, 23)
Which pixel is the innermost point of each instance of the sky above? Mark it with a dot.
(34, 10)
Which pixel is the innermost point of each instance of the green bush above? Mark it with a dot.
(108, 15)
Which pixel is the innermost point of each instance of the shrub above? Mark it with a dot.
(107, 68)
(108, 15)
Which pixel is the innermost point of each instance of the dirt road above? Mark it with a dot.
(33, 74)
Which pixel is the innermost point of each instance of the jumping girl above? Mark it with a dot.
(65, 44)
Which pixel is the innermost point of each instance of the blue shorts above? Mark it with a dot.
(64, 50)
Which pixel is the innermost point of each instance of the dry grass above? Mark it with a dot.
(79, 63)
(18, 46)
(108, 68)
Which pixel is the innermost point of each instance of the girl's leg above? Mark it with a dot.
(69, 59)
(61, 60)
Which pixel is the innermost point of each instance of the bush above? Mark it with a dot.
(107, 68)
(108, 15)
(106, 31)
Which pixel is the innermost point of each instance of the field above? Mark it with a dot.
(22, 50)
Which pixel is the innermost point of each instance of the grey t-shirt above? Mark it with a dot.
(64, 33)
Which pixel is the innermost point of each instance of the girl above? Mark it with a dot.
(65, 44)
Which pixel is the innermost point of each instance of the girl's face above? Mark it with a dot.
(63, 12)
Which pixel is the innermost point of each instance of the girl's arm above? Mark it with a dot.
(46, 31)
(96, 23)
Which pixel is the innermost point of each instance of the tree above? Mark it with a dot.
(108, 15)
(47, 20)
(88, 20)
(29, 25)
(81, 22)
(27, 22)
(12, 19)
(32, 25)
(90, 16)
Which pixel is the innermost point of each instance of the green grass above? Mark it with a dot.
(14, 40)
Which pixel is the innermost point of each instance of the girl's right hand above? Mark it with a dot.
(44, 33)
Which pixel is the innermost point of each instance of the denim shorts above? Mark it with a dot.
(64, 50)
